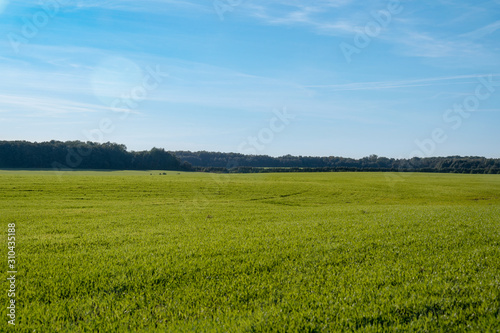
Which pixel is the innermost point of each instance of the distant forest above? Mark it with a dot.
(232, 162)
(112, 156)
(84, 155)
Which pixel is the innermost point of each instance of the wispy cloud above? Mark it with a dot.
(39, 106)
(381, 85)
(464, 52)
(483, 31)
(419, 44)
(311, 15)
(412, 37)
(135, 6)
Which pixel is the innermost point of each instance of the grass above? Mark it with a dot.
(320, 252)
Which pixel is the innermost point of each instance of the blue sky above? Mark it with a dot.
(351, 78)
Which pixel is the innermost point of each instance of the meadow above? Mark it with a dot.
(190, 252)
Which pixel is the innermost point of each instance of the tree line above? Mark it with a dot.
(113, 156)
(233, 162)
(84, 155)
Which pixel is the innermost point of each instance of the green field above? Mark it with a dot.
(324, 252)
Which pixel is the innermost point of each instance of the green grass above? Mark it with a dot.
(323, 252)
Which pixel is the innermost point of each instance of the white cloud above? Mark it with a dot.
(310, 15)
(40, 106)
(483, 31)
(380, 85)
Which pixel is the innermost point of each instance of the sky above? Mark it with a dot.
(313, 78)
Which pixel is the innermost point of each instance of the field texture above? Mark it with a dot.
(140, 251)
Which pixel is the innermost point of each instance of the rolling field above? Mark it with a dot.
(324, 252)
